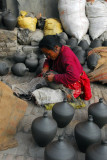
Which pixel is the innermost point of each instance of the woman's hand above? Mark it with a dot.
(50, 77)
(44, 70)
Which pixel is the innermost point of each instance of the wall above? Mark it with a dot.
(48, 8)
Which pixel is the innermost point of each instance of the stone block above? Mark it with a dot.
(3, 54)
(9, 157)
(8, 42)
(2, 44)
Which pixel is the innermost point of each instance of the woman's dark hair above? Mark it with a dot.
(49, 42)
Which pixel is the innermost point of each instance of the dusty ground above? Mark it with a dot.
(27, 149)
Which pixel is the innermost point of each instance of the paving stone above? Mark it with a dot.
(30, 158)
(29, 109)
(9, 157)
(96, 99)
(1, 156)
(20, 158)
(32, 150)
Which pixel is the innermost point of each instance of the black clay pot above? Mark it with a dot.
(96, 43)
(63, 35)
(31, 63)
(99, 112)
(105, 43)
(60, 150)
(19, 69)
(86, 134)
(77, 49)
(63, 113)
(32, 55)
(0, 19)
(3, 15)
(9, 20)
(72, 42)
(62, 41)
(97, 151)
(53, 85)
(84, 44)
(87, 51)
(4, 68)
(92, 60)
(81, 56)
(19, 57)
(43, 130)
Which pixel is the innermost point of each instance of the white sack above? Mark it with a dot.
(46, 95)
(73, 18)
(97, 15)
(103, 37)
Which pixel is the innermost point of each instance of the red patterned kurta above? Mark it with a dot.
(70, 73)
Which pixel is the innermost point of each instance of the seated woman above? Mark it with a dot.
(62, 60)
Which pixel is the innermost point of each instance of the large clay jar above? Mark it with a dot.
(99, 112)
(60, 150)
(87, 133)
(4, 68)
(77, 49)
(43, 130)
(96, 43)
(19, 57)
(63, 35)
(9, 20)
(31, 63)
(19, 69)
(92, 60)
(63, 113)
(97, 151)
(105, 43)
(84, 44)
(81, 56)
(72, 42)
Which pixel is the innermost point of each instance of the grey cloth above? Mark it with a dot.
(25, 88)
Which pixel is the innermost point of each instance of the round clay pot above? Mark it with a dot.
(92, 60)
(32, 64)
(62, 41)
(72, 42)
(86, 134)
(9, 20)
(32, 55)
(97, 151)
(4, 68)
(77, 49)
(96, 43)
(84, 44)
(19, 69)
(81, 56)
(43, 130)
(60, 150)
(0, 19)
(104, 43)
(99, 112)
(89, 49)
(63, 35)
(19, 57)
(63, 113)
